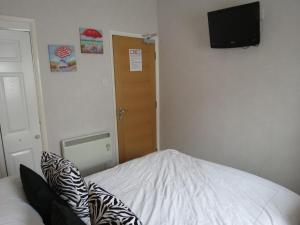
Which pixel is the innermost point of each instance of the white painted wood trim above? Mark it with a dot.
(25, 24)
(157, 87)
(157, 93)
(3, 168)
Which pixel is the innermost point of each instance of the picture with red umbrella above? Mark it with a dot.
(91, 41)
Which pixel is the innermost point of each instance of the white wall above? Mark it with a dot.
(80, 102)
(239, 107)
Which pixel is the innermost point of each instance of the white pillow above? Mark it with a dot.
(14, 209)
(106, 208)
(66, 181)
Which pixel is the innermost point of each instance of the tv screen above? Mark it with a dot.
(235, 27)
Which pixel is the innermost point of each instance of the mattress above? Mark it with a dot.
(171, 188)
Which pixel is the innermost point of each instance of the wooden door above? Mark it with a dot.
(19, 119)
(135, 96)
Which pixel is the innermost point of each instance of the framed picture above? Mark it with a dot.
(62, 58)
(91, 41)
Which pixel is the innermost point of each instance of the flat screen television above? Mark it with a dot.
(235, 27)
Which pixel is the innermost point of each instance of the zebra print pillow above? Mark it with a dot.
(107, 209)
(65, 180)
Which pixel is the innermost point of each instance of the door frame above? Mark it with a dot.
(3, 167)
(28, 25)
(156, 39)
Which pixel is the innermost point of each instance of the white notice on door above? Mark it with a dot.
(135, 60)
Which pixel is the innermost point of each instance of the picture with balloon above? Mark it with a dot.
(62, 58)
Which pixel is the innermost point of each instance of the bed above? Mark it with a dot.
(171, 188)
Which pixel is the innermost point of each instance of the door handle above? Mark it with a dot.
(121, 112)
(37, 136)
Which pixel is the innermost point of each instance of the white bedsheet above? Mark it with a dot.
(14, 209)
(170, 188)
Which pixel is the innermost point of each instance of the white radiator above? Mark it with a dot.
(90, 154)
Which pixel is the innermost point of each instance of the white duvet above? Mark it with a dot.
(14, 209)
(170, 188)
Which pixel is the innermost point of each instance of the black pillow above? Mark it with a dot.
(63, 215)
(38, 193)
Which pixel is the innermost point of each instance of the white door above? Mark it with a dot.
(19, 117)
